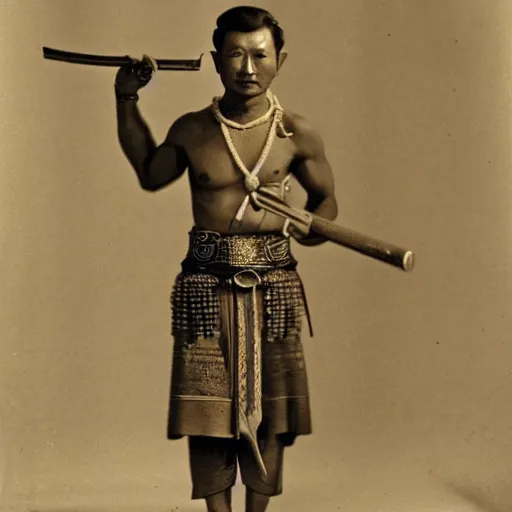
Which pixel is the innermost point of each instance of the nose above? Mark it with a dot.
(248, 66)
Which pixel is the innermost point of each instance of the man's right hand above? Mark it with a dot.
(132, 77)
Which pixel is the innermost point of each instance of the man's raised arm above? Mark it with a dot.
(155, 166)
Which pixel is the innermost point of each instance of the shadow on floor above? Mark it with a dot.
(487, 501)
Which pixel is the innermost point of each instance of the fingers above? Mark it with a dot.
(146, 69)
(136, 73)
(147, 59)
(290, 229)
(146, 62)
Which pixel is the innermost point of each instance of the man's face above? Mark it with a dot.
(248, 62)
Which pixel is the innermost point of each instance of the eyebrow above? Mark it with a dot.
(260, 48)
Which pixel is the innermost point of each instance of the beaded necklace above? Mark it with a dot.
(251, 181)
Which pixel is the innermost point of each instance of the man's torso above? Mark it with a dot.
(217, 184)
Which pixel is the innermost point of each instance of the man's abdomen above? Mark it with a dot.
(215, 210)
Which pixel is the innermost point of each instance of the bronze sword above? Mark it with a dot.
(115, 61)
(306, 222)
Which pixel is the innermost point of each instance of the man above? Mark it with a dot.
(239, 384)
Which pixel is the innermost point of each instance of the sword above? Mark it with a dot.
(307, 222)
(111, 61)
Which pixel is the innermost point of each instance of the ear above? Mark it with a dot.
(282, 58)
(216, 60)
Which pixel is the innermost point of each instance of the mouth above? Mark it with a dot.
(247, 83)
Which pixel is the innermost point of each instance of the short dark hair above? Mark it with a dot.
(246, 19)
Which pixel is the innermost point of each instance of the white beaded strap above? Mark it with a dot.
(237, 126)
(285, 185)
(279, 114)
(285, 231)
(251, 181)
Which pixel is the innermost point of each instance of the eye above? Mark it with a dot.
(235, 54)
(261, 56)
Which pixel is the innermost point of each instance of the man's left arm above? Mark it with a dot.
(315, 175)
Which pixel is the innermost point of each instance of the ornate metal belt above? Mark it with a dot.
(261, 250)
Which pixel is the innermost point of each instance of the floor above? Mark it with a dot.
(398, 484)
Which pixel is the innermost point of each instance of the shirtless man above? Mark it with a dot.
(239, 386)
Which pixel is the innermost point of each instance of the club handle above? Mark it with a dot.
(387, 253)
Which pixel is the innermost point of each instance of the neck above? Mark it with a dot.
(244, 110)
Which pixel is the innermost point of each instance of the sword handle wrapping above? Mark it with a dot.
(387, 253)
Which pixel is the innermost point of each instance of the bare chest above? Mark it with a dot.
(213, 166)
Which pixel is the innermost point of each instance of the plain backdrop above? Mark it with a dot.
(409, 373)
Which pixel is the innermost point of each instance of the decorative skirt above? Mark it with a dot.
(238, 362)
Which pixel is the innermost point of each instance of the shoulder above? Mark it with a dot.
(189, 125)
(305, 135)
(188, 121)
(299, 124)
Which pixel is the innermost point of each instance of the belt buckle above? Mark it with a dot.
(247, 279)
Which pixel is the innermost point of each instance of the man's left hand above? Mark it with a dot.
(302, 238)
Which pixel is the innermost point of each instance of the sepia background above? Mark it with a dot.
(409, 373)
